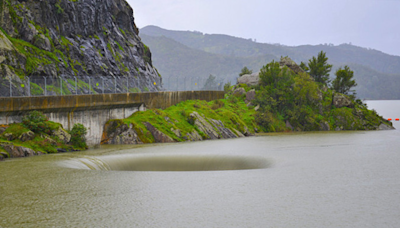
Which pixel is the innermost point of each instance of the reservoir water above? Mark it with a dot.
(324, 179)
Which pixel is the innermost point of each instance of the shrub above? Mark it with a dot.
(36, 122)
(78, 133)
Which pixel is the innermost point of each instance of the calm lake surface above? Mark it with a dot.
(335, 179)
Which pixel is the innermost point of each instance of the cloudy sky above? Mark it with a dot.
(367, 23)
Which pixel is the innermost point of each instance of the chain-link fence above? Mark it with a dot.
(192, 83)
(50, 86)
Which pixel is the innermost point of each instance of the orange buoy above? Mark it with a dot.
(390, 119)
(397, 119)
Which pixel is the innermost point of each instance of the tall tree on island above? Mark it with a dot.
(318, 68)
(344, 81)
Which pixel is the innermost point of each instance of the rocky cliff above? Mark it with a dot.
(67, 38)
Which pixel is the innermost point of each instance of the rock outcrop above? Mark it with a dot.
(340, 100)
(64, 38)
(17, 151)
(286, 61)
(117, 132)
(249, 79)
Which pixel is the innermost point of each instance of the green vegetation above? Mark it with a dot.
(232, 111)
(78, 133)
(344, 80)
(290, 101)
(36, 122)
(318, 68)
(245, 70)
(37, 133)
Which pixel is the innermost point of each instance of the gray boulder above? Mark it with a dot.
(239, 91)
(249, 79)
(251, 95)
(26, 136)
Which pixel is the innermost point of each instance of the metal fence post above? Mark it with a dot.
(89, 86)
(29, 86)
(10, 87)
(45, 85)
(102, 80)
(61, 86)
(127, 84)
(115, 84)
(76, 86)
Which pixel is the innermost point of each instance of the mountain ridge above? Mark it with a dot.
(373, 82)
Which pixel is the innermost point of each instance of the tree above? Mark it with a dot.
(304, 67)
(276, 84)
(319, 68)
(245, 70)
(211, 83)
(344, 81)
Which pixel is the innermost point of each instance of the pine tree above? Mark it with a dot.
(344, 81)
(245, 70)
(319, 68)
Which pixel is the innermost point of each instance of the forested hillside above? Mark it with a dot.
(194, 54)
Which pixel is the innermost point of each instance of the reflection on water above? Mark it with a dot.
(126, 162)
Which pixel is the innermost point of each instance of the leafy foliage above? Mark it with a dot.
(245, 70)
(78, 133)
(344, 80)
(36, 122)
(291, 101)
(319, 68)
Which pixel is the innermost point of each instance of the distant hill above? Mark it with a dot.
(194, 54)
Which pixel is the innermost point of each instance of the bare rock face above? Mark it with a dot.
(159, 137)
(193, 136)
(204, 125)
(340, 100)
(225, 133)
(87, 38)
(116, 132)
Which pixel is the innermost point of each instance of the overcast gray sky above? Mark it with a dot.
(367, 23)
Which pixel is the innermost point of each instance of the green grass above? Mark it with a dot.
(234, 115)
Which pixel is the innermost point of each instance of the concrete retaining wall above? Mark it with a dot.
(93, 111)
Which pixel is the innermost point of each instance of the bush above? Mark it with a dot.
(78, 133)
(36, 122)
